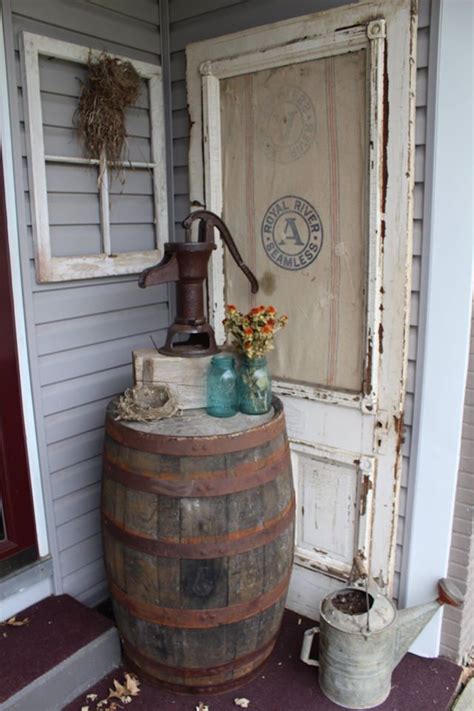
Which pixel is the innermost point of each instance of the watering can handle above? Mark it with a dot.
(306, 647)
(210, 220)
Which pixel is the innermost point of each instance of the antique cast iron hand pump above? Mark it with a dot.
(186, 264)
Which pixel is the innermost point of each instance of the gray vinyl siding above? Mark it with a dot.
(457, 634)
(203, 19)
(82, 333)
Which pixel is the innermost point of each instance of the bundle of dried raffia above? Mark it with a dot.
(112, 86)
(146, 403)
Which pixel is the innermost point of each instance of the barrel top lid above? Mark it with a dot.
(197, 423)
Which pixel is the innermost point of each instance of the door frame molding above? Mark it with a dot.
(397, 208)
(17, 280)
(445, 316)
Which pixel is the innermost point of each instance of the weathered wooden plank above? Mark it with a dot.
(141, 513)
(141, 575)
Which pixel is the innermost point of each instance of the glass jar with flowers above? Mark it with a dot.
(252, 334)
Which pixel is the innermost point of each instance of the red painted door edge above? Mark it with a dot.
(15, 488)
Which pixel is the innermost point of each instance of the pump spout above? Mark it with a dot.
(411, 622)
(167, 270)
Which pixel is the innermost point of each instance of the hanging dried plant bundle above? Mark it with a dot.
(112, 86)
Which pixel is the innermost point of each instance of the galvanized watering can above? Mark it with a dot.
(362, 638)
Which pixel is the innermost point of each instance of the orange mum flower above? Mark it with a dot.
(267, 328)
(271, 322)
(271, 310)
(248, 331)
(254, 311)
(247, 345)
(231, 308)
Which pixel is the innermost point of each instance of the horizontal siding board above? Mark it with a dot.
(76, 477)
(80, 17)
(94, 595)
(79, 502)
(59, 110)
(56, 367)
(85, 40)
(145, 10)
(79, 529)
(76, 420)
(95, 299)
(422, 47)
(126, 236)
(98, 328)
(75, 240)
(422, 87)
(75, 450)
(74, 558)
(74, 393)
(84, 579)
(183, 9)
(241, 16)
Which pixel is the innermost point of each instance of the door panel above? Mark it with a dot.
(294, 151)
(294, 143)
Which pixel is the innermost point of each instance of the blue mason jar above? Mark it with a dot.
(255, 386)
(222, 400)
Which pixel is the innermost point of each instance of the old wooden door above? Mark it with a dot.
(306, 128)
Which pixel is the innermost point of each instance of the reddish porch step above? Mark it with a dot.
(65, 648)
(284, 683)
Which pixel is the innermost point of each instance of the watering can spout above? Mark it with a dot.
(412, 621)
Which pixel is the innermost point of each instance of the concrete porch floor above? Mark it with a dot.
(286, 684)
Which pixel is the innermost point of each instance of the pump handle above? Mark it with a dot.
(206, 234)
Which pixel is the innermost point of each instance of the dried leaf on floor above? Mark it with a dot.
(124, 692)
(202, 706)
(84, 708)
(13, 622)
(91, 697)
(243, 703)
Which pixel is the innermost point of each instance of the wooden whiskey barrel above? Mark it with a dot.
(198, 540)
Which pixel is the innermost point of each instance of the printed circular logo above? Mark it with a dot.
(292, 233)
(288, 124)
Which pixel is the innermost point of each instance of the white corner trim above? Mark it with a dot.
(13, 240)
(445, 311)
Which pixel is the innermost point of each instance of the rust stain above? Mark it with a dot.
(398, 423)
(380, 338)
(367, 384)
(365, 487)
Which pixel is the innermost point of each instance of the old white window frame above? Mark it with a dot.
(370, 37)
(105, 263)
